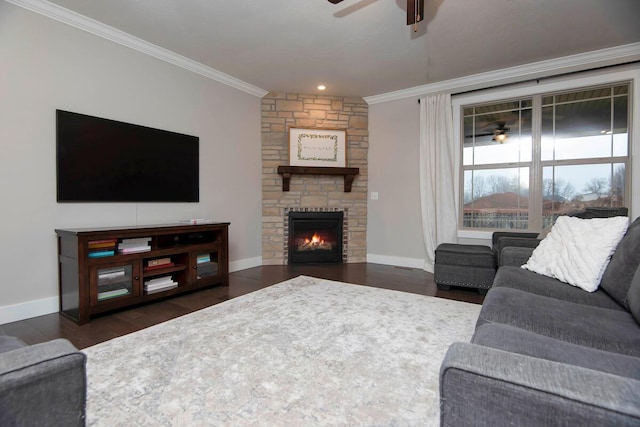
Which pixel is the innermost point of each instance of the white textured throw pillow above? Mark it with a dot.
(577, 251)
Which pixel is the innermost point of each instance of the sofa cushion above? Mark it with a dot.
(515, 340)
(577, 251)
(8, 343)
(528, 281)
(624, 262)
(600, 328)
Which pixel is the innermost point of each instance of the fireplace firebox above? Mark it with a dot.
(315, 237)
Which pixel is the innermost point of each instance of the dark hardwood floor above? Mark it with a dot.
(103, 328)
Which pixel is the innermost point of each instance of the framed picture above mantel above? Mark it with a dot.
(317, 147)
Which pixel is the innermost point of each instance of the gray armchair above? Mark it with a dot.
(42, 384)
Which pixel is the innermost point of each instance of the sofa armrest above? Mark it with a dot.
(43, 384)
(497, 235)
(508, 241)
(515, 256)
(483, 386)
(520, 242)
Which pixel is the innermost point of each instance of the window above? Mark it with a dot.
(528, 160)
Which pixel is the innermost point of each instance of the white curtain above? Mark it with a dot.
(437, 174)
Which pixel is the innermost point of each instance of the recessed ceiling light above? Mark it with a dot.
(321, 87)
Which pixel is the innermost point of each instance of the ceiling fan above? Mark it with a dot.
(499, 134)
(415, 11)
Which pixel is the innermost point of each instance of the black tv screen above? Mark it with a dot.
(101, 160)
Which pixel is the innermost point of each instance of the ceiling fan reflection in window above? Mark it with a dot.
(499, 134)
(415, 11)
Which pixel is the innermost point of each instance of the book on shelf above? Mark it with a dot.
(101, 241)
(138, 241)
(100, 254)
(102, 246)
(160, 286)
(130, 246)
(159, 280)
(112, 294)
(203, 258)
(159, 267)
(133, 249)
(158, 261)
(110, 273)
(153, 291)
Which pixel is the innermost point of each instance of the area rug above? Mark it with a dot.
(303, 352)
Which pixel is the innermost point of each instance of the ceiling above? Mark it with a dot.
(364, 47)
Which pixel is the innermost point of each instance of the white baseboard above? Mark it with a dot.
(396, 261)
(244, 264)
(27, 310)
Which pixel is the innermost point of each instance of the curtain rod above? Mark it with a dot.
(538, 79)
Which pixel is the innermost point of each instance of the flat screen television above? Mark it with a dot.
(102, 160)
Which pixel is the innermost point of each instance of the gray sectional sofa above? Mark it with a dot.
(547, 353)
(42, 384)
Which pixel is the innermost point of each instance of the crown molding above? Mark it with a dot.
(99, 29)
(547, 68)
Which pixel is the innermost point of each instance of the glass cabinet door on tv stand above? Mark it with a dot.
(114, 281)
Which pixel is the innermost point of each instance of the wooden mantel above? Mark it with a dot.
(348, 173)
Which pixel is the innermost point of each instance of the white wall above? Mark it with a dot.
(45, 65)
(394, 228)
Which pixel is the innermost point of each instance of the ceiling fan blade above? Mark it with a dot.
(415, 11)
(334, 1)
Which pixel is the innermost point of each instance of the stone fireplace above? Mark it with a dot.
(312, 193)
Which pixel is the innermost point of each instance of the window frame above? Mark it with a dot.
(536, 91)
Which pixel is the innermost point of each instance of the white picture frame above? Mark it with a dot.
(317, 147)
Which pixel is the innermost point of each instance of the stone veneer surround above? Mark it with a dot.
(280, 111)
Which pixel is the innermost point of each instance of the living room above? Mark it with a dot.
(45, 74)
(49, 65)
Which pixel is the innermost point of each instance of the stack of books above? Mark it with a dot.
(130, 246)
(160, 284)
(154, 264)
(102, 248)
(113, 282)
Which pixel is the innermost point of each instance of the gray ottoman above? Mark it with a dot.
(470, 266)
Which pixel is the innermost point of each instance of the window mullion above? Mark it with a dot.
(535, 173)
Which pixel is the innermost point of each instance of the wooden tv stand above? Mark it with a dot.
(105, 269)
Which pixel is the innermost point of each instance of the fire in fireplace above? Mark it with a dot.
(316, 243)
(315, 237)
